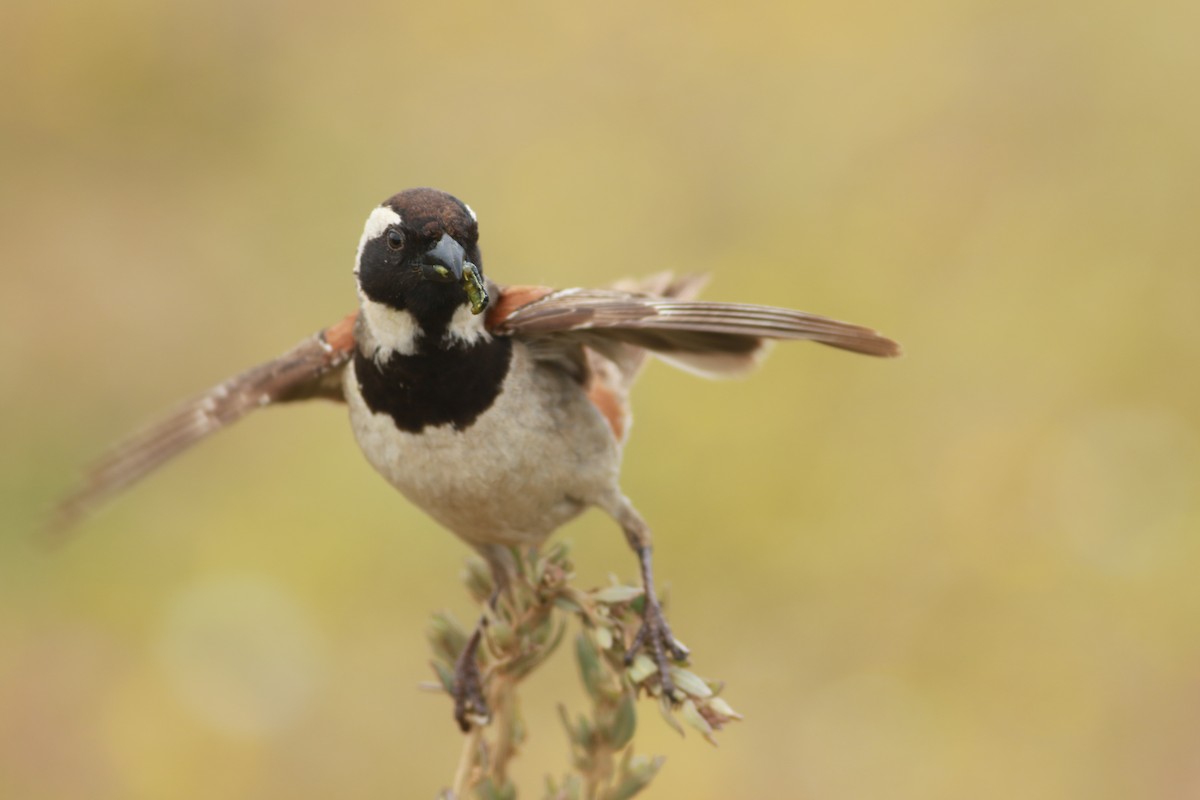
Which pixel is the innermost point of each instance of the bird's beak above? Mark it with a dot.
(444, 263)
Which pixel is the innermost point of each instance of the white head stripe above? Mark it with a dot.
(471, 211)
(377, 223)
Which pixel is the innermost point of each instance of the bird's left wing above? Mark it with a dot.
(311, 369)
(714, 339)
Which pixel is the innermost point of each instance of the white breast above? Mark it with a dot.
(538, 457)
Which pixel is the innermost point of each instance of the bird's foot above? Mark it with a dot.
(655, 636)
(470, 707)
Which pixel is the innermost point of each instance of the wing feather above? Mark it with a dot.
(620, 324)
(677, 329)
(311, 369)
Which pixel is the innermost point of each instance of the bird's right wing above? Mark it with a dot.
(311, 369)
(613, 329)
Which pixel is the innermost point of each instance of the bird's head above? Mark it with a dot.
(419, 267)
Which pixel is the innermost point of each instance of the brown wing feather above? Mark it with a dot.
(509, 299)
(310, 369)
(611, 364)
(711, 338)
(613, 367)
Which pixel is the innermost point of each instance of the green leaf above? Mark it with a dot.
(642, 667)
(664, 708)
(586, 732)
(604, 637)
(557, 553)
(557, 639)
(478, 579)
(624, 721)
(617, 594)
(502, 635)
(446, 635)
(692, 716)
(566, 722)
(636, 774)
(719, 705)
(589, 665)
(689, 683)
(567, 605)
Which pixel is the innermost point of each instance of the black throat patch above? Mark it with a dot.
(444, 386)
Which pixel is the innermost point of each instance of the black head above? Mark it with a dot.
(420, 253)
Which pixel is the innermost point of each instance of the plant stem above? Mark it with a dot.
(466, 762)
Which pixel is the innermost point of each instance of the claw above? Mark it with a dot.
(638, 640)
(470, 707)
(657, 633)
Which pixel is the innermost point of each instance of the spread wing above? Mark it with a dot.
(311, 369)
(620, 324)
(713, 339)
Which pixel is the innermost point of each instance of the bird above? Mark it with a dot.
(500, 411)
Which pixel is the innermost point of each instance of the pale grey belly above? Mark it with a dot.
(538, 457)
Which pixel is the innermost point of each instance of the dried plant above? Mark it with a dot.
(528, 623)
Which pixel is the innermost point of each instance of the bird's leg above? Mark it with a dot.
(470, 706)
(655, 633)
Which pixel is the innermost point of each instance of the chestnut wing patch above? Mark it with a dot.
(509, 299)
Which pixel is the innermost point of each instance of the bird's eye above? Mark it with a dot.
(395, 239)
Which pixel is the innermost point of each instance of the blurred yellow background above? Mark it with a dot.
(967, 573)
